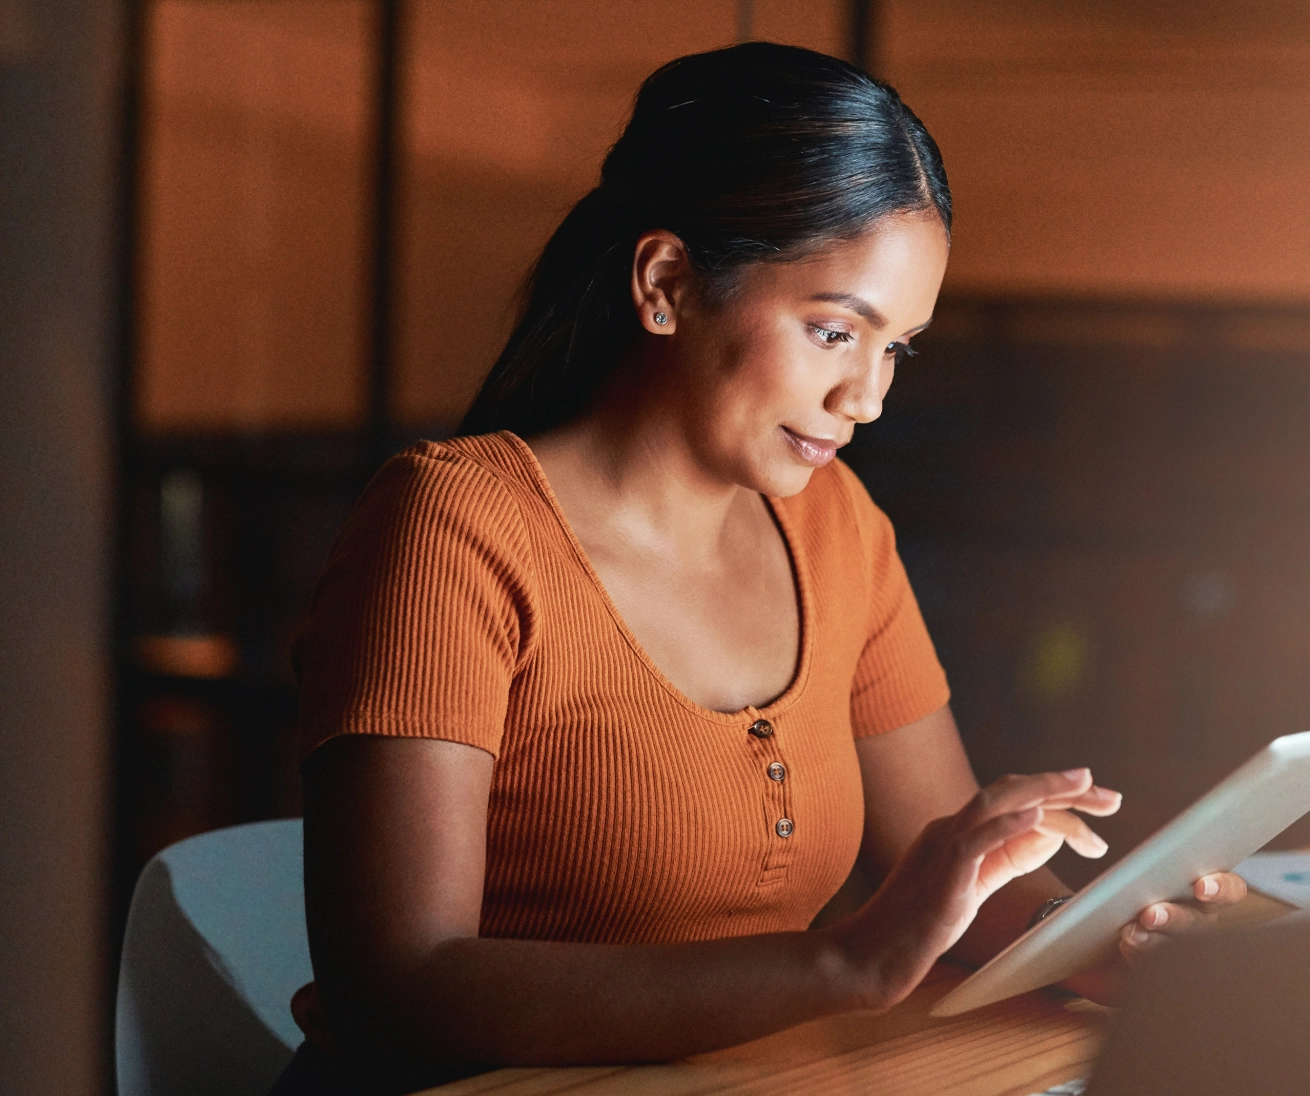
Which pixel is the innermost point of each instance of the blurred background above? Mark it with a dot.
(248, 248)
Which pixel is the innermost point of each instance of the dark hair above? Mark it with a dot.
(758, 152)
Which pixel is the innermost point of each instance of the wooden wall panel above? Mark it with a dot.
(823, 25)
(1113, 150)
(1157, 149)
(254, 210)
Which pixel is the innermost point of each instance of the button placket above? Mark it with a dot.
(783, 786)
(775, 778)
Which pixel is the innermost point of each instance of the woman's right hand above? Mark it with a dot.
(932, 894)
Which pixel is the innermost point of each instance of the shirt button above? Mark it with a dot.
(777, 771)
(761, 728)
(784, 827)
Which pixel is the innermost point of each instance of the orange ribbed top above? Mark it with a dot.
(457, 604)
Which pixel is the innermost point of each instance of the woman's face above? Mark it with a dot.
(773, 381)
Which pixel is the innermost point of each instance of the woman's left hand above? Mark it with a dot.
(1154, 926)
(1164, 920)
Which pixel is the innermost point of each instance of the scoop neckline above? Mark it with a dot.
(800, 581)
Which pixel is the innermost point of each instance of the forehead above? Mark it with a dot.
(896, 266)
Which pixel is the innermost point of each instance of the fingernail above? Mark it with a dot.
(1159, 915)
(1101, 847)
(1075, 774)
(1209, 888)
(1138, 935)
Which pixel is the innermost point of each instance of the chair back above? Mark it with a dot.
(215, 946)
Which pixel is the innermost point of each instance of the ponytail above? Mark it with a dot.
(577, 319)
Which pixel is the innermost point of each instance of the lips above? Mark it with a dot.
(813, 451)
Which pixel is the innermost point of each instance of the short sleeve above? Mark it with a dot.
(898, 678)
(423, 613)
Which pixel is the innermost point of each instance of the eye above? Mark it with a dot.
(829, 336)
(900, 351)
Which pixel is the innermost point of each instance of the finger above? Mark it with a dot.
(1135, 942)
(1018, 793)
(1173, 919)
(995, 832)
(1220, 889)
(1096, 800)
(1019, 855)
(1074, 831)
(1099, 802)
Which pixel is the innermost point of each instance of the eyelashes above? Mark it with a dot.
(901, 351)
(828, 336)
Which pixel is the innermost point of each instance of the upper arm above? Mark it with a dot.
(418, 625)
(395, 849)
(911, 775)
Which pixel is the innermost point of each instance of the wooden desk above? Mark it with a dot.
(1013, 1048)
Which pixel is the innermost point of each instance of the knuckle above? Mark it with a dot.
(937, 834)
(936, 827)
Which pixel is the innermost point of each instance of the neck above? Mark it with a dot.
(630, 467)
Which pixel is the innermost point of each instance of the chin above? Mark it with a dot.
(782, 479)
(767, 469)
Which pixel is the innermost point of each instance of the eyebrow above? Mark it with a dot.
(856, 304)
(861, 307)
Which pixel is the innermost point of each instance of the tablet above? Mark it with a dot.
(1222, 828)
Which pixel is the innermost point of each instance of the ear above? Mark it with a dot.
(661, 276)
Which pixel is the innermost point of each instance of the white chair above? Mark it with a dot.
(215, 946)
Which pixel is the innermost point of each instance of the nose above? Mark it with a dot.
(859, 396)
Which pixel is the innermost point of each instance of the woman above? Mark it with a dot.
(603, 700)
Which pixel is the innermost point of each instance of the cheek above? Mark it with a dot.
(762, 375)
(761, 380)
(787, 376)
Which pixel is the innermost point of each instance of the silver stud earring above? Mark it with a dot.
(661, 319)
